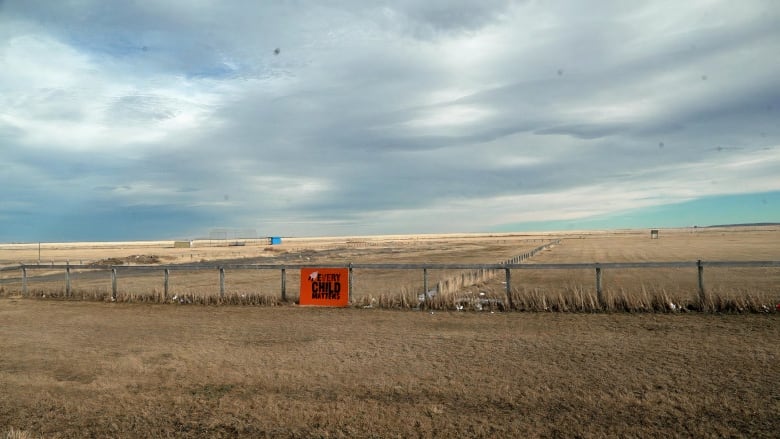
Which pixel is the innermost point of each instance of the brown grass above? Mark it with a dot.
(86, 369)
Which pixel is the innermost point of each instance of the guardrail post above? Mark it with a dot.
(599, 291)
(67, 279)
(24, 281)
(284, 286)
(221, 281)
(113, 283)
(509, 303)
(166, 274)
(702, 293)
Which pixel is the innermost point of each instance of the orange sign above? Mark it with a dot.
(325, 286)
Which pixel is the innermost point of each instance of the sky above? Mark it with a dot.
(172, 119)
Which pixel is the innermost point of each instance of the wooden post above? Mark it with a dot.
(221, 282)
(509, 303)
(67, 279)
(165, 288)
(113, 284)
(702, 293)
(599, 291)
(24, 281)
(284, 286)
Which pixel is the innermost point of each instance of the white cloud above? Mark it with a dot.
(451, 116)
(57, 97)
(401, 116)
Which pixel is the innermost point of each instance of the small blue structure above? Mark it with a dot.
(275, 240)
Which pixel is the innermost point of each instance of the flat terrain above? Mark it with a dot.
(90, 369)
(73, 368)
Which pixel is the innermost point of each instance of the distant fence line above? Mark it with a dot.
(515, 263)
(448, 285)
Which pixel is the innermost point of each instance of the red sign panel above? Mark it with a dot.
(325, 286)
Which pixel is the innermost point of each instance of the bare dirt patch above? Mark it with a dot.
(132, 259)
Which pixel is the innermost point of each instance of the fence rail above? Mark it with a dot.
(405, 266)
(512, 264)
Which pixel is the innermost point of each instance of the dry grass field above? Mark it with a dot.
(750, 288)
(88, 369)
(74, 368)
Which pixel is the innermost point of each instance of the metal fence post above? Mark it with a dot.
(425, 285)
(599, 291)
(221, 281)
(67, 279)
(166, 274)
(350, 281)
(24, 281)
(284, 286)
(702, 293)
(509, 303)
(113, 283)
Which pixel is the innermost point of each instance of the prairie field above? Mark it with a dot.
(90, 369)
(82, 366)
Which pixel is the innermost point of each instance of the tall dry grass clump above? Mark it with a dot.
(156, 296)
(16, 434)
(405, 298)
(479, 297)
(576, 299)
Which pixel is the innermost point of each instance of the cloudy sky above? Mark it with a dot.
(155, 119)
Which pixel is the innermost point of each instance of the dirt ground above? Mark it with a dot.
(87, 369)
